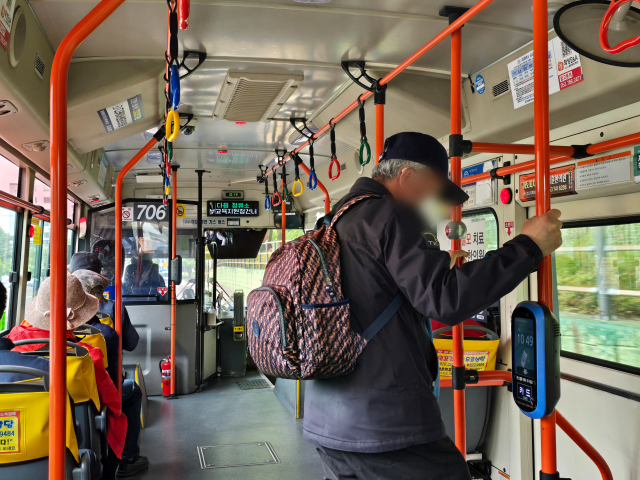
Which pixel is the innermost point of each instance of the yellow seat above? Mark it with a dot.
(92, 336)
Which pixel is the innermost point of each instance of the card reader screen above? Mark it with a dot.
(525, 361)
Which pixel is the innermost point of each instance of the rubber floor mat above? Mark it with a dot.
(238, 455)
(253, 384)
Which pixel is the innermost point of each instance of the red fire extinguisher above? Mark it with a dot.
(165, 367)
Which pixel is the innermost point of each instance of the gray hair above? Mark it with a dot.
(390, 169)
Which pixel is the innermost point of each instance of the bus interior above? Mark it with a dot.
(172, 138)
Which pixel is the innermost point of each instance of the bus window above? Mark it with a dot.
(8, 220)
(38, 256)
(186, 248)
(146, 265)
(246, 274)
(598, 291)
(9, 177)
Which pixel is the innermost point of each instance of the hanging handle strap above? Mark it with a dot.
(604, 30)
(364, 144)
(313, 178)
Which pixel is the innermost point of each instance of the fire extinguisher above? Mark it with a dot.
(165, 368)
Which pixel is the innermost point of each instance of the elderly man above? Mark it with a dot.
(383, 420)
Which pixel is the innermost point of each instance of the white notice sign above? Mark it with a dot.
(597, 172)
(6, 19)
(565, 70)
(475, 242)
(127, 214)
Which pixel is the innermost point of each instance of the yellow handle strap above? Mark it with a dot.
(173, 120)
(293, 190)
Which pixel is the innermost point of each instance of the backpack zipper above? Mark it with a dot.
(323, 263)
(279, 305)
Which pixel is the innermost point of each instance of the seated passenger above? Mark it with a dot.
(7, 357)
(80, 309)
(142, 276)
(89, 261)
(383, 421)
(132, 462)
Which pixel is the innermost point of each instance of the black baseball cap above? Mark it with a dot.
(85, 261)
(424, 149)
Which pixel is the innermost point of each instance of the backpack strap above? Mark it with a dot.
(383, 318)
(351, 203)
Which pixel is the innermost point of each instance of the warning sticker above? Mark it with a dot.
(565, 70)
(474, 241)
(122, 114)
(6, 18)
(476, 360)
(127, 214)
(597, 172)
(181, 211)
(10, 431)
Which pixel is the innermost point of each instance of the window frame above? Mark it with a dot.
(599, 222)
(480, 211)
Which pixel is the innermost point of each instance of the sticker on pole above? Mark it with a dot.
(181, 211)
(479, 84)
(163, 291)
(6, 19)
(9, 431)
(127, 214)
(122, 114)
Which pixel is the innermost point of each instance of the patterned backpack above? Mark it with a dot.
(298, 321)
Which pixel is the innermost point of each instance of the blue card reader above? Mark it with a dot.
(535, 346)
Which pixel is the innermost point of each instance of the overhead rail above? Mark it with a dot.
(37, 210)
(473, 11)
(566, 152)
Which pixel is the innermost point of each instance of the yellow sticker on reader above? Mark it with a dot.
(238, 329)
(9, 431)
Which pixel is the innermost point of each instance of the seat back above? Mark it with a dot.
(24, 420)
(93, 336)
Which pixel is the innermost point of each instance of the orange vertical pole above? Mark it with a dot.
(58, 246)
(379, 130)
(543, 193)
(456, 216)
(174, 240)
(284, 217)
(159, 135)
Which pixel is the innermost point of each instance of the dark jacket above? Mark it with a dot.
(9, 358)
(387, 403)
(130, 336)
(112, 341)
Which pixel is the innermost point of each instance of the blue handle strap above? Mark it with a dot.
(174, 87)
(427, 326)
(383, 318)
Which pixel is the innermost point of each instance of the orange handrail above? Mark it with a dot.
(472, 12)
(594, 149)
(519, 149)
(379, 130)
(456, 216)
(543, 195)
(585, 446)
(159, 135)
(58, 246)
(174, 243)
(489, 378)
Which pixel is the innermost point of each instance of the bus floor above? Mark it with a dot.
(222, 414)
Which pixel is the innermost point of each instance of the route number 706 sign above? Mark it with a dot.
(144, 212)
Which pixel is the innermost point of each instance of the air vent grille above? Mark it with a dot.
(39, 66)
(247, 97)
(500, 89)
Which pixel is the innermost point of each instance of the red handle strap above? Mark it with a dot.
(604, 30)
(334, 161)
(275, 203)
(184, 8)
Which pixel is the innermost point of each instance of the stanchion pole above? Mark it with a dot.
(543, 197)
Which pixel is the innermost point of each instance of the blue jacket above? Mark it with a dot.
(7, 357)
